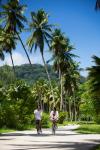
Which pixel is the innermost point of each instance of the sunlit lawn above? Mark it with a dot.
(3, 130)
(89, 128)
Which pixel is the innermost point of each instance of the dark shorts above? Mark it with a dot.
(38, 122)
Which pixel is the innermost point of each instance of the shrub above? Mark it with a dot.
(10, 117)
(97, 119)
(45, 120)
(62, 117)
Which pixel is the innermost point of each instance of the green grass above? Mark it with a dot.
(96, 147)
(89, 129)
(78, 122)
(3, 130)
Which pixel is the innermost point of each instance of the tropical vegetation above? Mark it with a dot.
(22, 90)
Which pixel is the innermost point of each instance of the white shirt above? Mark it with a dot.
(38, 114)
(54, 115)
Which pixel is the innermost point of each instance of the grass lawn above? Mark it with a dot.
(96, 148)
(89, 129)
(3, 130)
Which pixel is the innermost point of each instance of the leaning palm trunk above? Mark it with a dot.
(61, 94)
(45, 66)
(12, 63)
(24, 48)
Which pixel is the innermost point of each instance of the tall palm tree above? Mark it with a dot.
(71, 84)
(62, 58)
(13, 19)
(94, 76)
(40, 34)
(57, 43)
(7, 44)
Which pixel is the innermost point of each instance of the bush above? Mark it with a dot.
(45, 120)
(10, 117)
(62, 117)
(97, 119)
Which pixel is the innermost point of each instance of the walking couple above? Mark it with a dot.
(38, 118)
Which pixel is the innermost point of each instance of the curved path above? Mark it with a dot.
(65, 139)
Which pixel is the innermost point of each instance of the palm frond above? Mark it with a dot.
(97, 5)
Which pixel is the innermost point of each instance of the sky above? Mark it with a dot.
(76, 18)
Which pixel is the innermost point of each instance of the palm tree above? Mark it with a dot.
(97, 6)
(62, 58)
(41, 33)
(94, 76)
(57, 44)
(13, 19)
(71, 84)
(7, 44)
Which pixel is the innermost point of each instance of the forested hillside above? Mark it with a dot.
(34, 73)
(27, 73)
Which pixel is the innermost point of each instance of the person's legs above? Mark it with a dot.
(40, 126)
(37, 125)
(54, 126)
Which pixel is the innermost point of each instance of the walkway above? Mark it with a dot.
(65, 139)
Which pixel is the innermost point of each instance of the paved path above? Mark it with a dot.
(65, 139)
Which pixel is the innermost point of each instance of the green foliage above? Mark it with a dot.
(97, 119)
(62, 117)
(26, 73)
(5, 130)
(10, 117)
(94, 87)
(86, 105)
(6, 75)
(16, 106)
(97, 148)
(45, 120)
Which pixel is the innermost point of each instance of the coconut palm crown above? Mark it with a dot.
(41, 30)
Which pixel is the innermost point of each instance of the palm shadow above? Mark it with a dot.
(54, 145)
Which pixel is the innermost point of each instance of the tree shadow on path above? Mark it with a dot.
(55, 145)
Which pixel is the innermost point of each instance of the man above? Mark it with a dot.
(38, 117)
(54, 117)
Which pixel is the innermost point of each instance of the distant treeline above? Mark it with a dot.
(28, 73)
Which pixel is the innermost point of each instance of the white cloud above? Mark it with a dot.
(20, 58)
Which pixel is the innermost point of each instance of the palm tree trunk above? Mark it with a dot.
(61, 88)
(69, 109)
(74, 109)
(24, 48)
(12, 63)
(45, 66)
